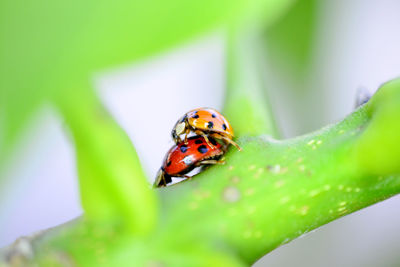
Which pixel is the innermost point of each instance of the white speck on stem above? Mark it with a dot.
(327, 187)
(258, 173)
(279, 183)
(311, 142)
(247, 234)
(251, 209)
(22, 246)
(235, 179)
(258, 234)
(303, 210)
(302, 168)
(284, 199)
(193, 205)
(249, 191)
(275, 169)
(231, 194)
(313, 193)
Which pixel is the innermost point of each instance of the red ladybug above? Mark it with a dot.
(182, 158)
(205, 122)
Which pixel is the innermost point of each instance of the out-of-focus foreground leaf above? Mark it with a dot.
(48, 48)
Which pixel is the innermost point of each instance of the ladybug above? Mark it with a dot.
(182, 158)
(205, 122)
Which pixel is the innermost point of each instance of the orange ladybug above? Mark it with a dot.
(205, 122)
(183, 158)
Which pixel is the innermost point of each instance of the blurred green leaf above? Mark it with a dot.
(48, 48)
(114, 189)
(290, 41)
(246, 84)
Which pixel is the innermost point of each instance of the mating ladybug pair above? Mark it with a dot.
(199, 150)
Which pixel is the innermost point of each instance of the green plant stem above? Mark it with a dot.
(112, 183)
(274, 191)
(246, 105)
(263, 197)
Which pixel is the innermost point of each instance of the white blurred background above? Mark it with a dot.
(358, 45)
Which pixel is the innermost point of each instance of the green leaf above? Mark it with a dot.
(290, 41)
(246, 102)
(48, 48)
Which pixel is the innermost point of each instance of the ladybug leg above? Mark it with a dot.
(177, 140)
(227, 140)
(205, 137)
(210, 162)
(186, 135)
(182, 176)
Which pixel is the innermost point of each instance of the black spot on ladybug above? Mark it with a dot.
(210, 125)
(195, 116)
(183, 148)
(202, 149)
(213, 115)
(213, 141)
(224, 126)
(168, 163)
(198, 141)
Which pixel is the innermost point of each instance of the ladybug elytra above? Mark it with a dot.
(205, 122)
(184, 157)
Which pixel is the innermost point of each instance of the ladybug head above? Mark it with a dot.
(179, 128)
(162, 179)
